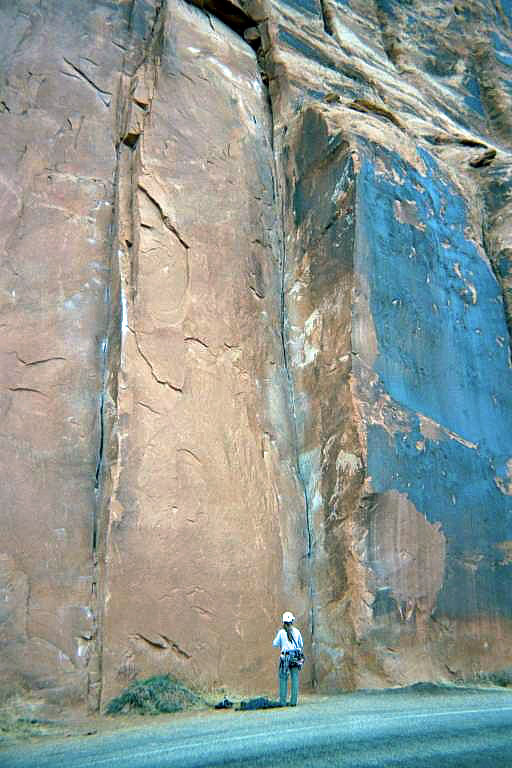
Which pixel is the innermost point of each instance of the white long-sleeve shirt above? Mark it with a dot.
(281, 640)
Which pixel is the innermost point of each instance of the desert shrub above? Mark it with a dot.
(152, 696)
(502, 677)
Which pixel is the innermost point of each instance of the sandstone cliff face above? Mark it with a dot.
(204, 503)
(256, 306)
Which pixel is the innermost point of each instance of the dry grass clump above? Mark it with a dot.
(155, 695)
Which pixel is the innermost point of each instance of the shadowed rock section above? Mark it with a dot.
(255, 311)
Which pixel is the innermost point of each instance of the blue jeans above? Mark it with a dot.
(283, 686)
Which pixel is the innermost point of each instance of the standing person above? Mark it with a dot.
(289, 641)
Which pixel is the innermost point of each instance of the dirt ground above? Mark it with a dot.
(20, 723)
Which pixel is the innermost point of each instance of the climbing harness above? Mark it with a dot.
(291, 659)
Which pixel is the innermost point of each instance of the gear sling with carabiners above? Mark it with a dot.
(291, 659)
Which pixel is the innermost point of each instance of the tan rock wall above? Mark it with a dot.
(56, 171)
(255, 314)
(204, 541)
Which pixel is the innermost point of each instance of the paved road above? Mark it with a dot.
(458, 729)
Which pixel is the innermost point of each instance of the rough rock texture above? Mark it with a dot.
(396, 265)
(57, 82)
(204, 507)
(255, 309)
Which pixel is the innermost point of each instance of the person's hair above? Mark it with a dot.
(288, 628)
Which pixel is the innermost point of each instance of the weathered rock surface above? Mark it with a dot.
(256, 311)
(205, 509)
(399, 347)
(58, 78)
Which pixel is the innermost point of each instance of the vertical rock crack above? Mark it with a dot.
(112, 346)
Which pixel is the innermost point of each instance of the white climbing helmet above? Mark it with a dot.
(288, 617)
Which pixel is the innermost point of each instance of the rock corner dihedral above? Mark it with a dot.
(256, 311)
